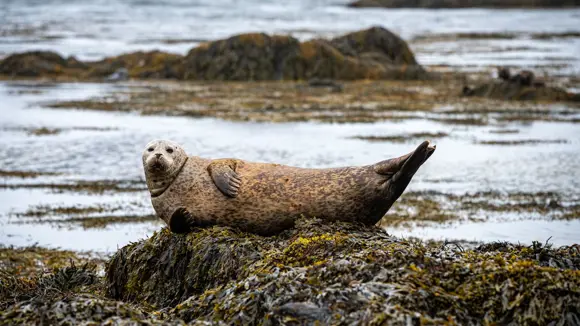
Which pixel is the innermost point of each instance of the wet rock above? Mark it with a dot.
(254, 56)
(522, 86)
(375, 53)
(376, 43)
(463, 3)
(342, 274)
(37, 64)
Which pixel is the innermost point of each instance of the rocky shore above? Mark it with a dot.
(375, 53)
(464, 4)
(315, 273)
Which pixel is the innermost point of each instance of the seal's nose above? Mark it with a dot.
(158, 155)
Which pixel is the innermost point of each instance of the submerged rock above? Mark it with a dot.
(522, 86)
(464, 3)
(343, 273)
(375, 53)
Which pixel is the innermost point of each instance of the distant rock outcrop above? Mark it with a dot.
(522, 86)
(464, 3)
(375, 53)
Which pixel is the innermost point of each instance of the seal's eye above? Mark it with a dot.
(150, 149)
(169, 150)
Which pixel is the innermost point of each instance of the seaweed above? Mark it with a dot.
(343, 273)
(316, 273)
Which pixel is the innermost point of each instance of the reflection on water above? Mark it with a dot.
(107, 146)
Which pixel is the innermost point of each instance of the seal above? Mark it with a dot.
(263, 198)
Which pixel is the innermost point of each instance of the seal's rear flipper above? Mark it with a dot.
(406, 165)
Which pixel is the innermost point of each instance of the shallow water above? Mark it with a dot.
(99, 28)
(95, 145)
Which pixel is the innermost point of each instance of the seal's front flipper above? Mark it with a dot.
(182, 221)
(225, 177)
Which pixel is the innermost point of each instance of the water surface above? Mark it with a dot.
(93, 145)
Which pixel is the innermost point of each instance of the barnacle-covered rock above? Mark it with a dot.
(344, 273)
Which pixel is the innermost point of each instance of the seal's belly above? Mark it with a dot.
(276, 194)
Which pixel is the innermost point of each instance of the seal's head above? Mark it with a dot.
(162, 161)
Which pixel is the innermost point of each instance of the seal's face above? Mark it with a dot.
(162, 161)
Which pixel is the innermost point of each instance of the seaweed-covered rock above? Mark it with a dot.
(254, 56)
(376, 43)
(464, 3)
(39, 63)
(342, 274)
(522, 86)
(374, 53)
(46, 287)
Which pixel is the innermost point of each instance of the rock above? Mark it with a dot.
(343, 274)
(522, 86)
(254, 56)
(375, 53)
(376, 43)
(463, 3)
(34, 64)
